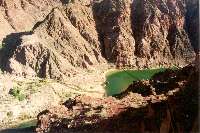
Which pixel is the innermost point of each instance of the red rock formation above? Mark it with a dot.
(65, 40)
(113, 19)
(159, 33)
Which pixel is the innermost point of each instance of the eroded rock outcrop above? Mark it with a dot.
(17, 18)
(167, 103)
(158, 28)
(113, 22)
(34, 58)
(64, 42)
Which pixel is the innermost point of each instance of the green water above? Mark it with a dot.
(118, 81)
(27, 124)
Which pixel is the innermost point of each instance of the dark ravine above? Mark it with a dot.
(84, 34)
(167, 106)
(192, 22)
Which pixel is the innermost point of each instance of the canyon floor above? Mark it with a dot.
(166, 102)
(40, 94)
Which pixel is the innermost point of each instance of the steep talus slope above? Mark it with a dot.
(22, 15)
(19, 16)
(78, 34)
(57, 45)
(167, 104)
(34, 58)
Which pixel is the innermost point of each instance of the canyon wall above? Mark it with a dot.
(55, 38)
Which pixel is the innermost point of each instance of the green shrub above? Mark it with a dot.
(16, 92)
(2, 45)
(10, 114)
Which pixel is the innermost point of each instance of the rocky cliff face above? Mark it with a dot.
(63, 42)
(18, 17)
(166, 104)
(113, 22)
(158, 28)
(192, 22)
(143, 33)
(68, 35)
